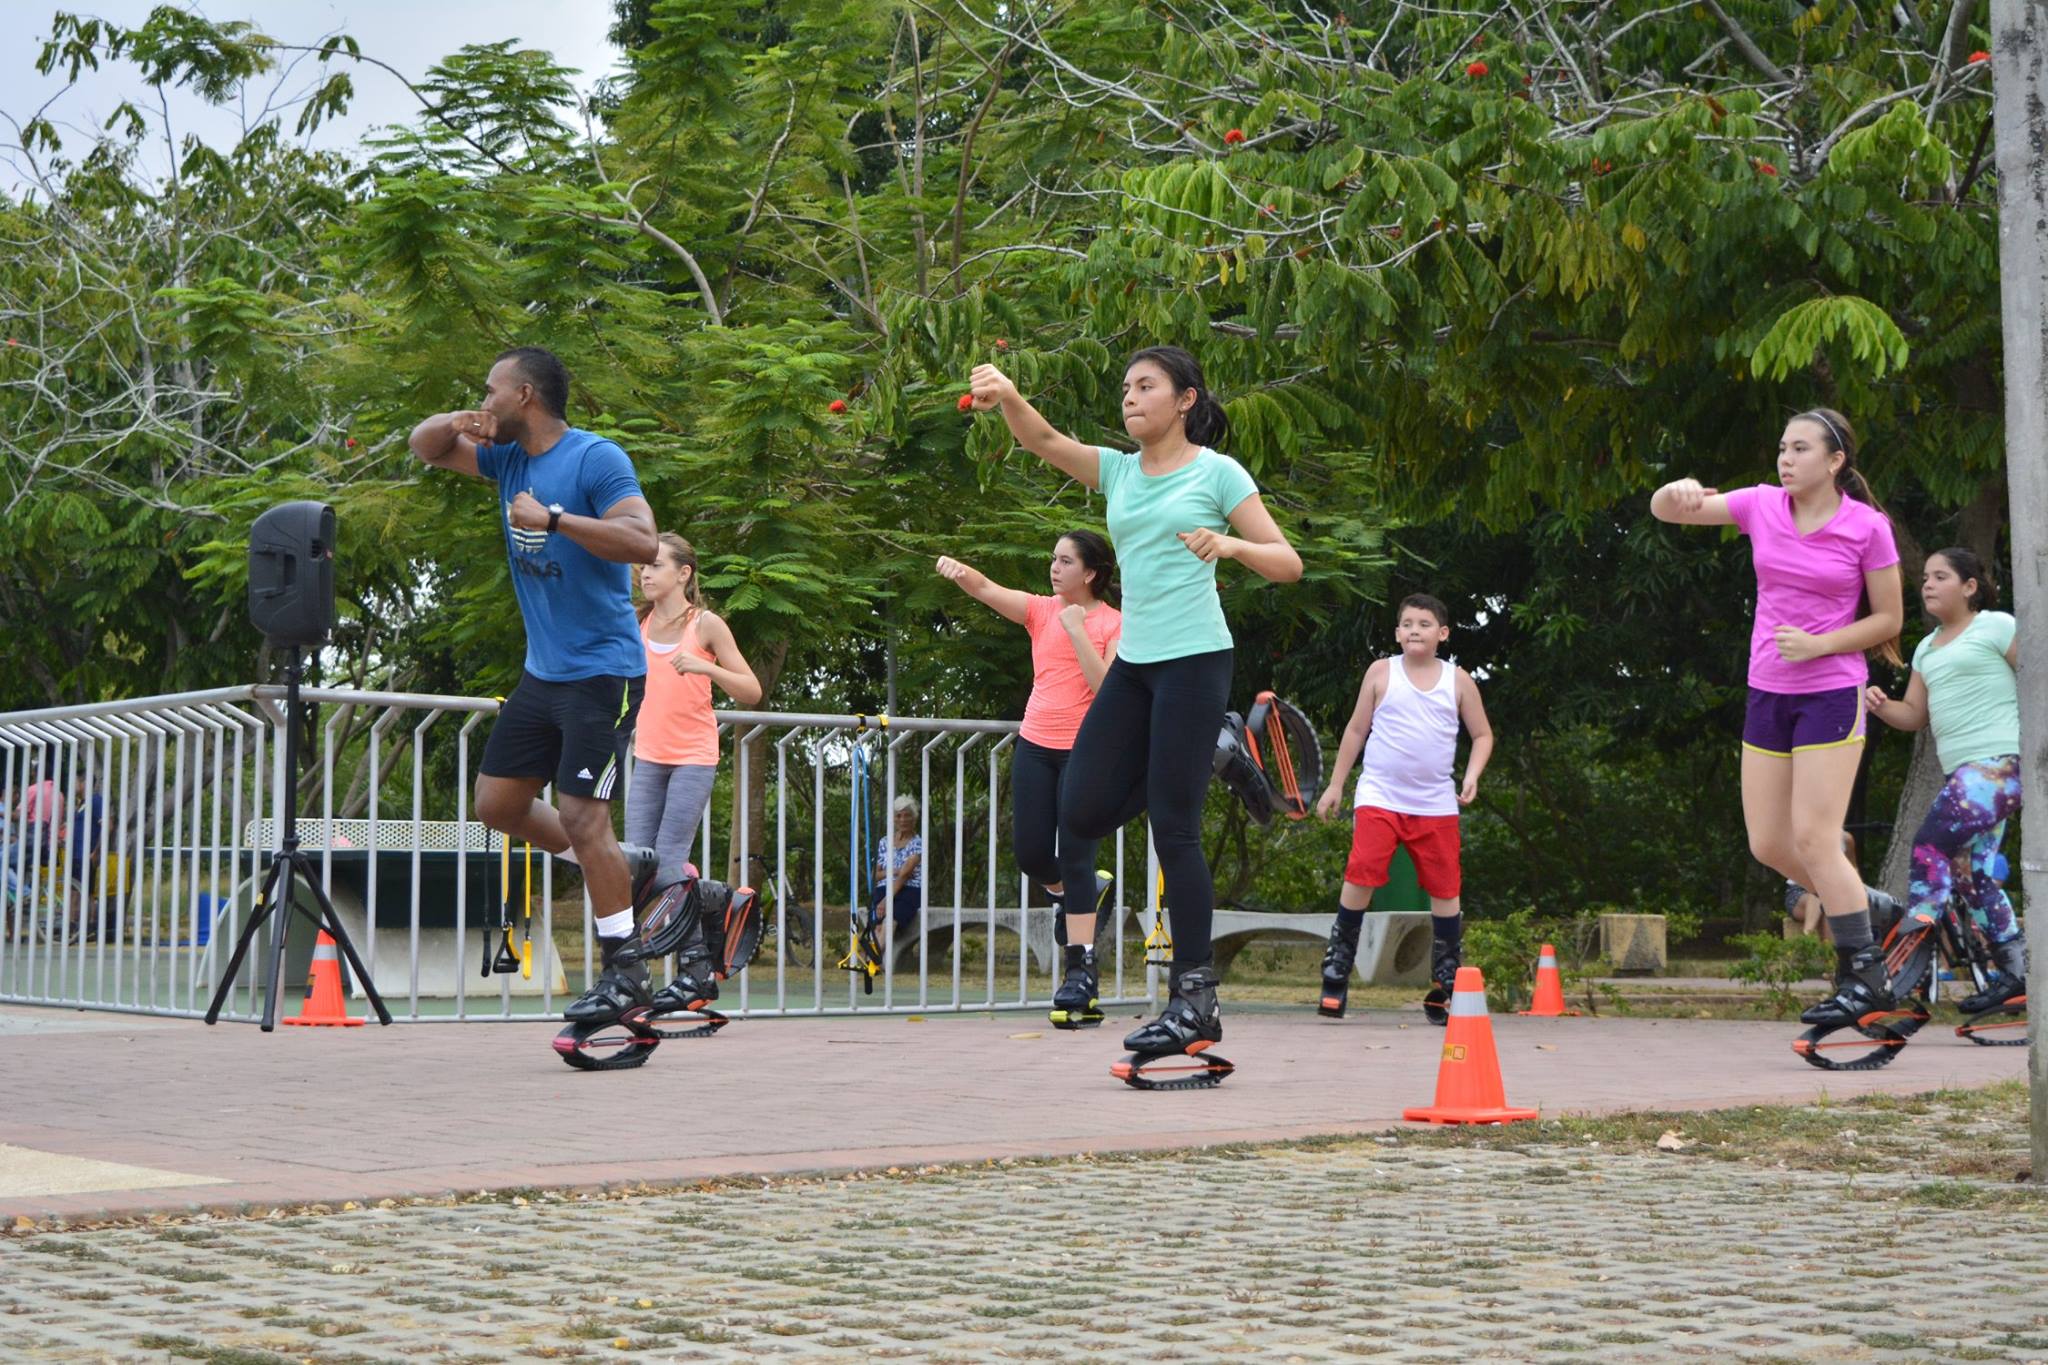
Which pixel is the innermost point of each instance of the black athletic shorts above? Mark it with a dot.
(573, 734)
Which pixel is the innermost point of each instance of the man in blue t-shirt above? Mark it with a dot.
(574, 518)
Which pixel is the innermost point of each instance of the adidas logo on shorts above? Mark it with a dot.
(585, 773)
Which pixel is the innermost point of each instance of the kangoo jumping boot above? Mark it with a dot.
(1861, 988)
(1177, 1043)
(2008, 978)
(1076, 1004)
(619, 987)
(1444, 961)
(1337, 962)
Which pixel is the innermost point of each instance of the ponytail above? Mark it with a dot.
(684, 557)
(1205, 424)
(1850, 482)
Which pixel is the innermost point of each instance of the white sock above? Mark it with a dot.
(614, 926)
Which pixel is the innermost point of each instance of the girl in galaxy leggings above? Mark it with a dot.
(1963, 684)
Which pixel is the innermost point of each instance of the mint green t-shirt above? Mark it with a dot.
(1170, 606)
(1973, 699)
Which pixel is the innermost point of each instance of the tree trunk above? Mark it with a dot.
(2019, 56)
(1923, 779)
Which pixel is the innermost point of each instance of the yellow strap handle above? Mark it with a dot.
(526, 948)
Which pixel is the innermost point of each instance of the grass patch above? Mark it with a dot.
(185, 1348)
(709, 1334)
(185, 1274)
(1981, 1131)
(1955, 1194)
(77, 1251)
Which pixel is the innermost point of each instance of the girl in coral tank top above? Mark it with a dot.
(1074, 634)
(675, 745)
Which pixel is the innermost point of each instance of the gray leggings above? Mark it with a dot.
(664, 807)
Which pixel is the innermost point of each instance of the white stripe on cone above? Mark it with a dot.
(1467, 1004)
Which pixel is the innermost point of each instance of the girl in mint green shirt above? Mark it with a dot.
(1175, 508)
(1964, 685)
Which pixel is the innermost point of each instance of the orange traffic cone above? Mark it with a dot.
(1549, 1001)
(1468, 1088)
(324, 1006)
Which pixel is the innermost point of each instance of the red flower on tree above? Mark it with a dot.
(1234, 136)
(1477, 69)
(836, 405)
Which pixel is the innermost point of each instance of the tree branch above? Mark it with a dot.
(1744, 44)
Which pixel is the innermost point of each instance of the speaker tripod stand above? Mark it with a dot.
(289, 867)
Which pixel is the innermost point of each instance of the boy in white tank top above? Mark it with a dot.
(1407, 717)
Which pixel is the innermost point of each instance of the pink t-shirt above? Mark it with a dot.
(1814, 582)
(41, 802)
(1059, 693)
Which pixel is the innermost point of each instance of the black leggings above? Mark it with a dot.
(1146, 747)
(1035, 819)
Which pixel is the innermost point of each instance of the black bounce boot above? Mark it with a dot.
(618, 988)
(1190, 1022)
(1861, 987)
(695, 984)
(642, 863)
(1076, 1004)
(2008, 979)
(1444, 961)
(692, 988)
(1337, 963)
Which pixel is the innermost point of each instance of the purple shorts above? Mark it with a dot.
(1786, 723)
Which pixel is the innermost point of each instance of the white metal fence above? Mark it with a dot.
(134, 834)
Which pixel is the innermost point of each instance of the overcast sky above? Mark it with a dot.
(409, 34)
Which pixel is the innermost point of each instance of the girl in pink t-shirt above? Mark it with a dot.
(1827, 591)
(1074, 635)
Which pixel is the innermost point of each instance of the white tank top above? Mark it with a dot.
(1413, 741)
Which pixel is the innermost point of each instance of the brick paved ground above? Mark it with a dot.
(1538, 1246)
(1384, 1249)
(328, 1115)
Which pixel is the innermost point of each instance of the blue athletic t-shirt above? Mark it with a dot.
(578, 608)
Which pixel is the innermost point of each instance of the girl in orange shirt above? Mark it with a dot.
(675, 744)
(1074, 635)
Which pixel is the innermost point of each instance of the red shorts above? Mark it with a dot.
(1431, 841)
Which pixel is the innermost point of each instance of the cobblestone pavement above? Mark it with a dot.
(1366, 1248)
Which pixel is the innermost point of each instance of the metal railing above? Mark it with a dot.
(134, 834)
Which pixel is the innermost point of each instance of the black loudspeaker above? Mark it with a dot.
(291, 574)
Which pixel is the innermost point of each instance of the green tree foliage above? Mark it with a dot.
(1470, 284)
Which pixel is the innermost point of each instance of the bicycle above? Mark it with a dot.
(794, 937)
(57, 909)
(1911, 949)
